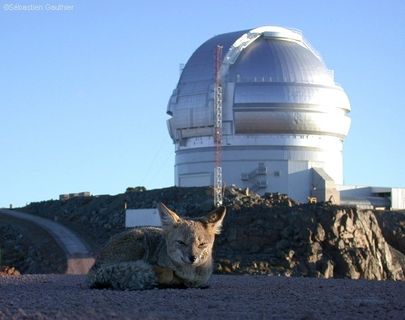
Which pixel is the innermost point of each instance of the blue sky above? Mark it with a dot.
(83, 92)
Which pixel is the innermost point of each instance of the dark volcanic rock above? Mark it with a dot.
(261, 235)
(392, 224)
(28, 249)
(14, 251)
(306, 240)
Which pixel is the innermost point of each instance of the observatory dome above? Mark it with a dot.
(284, 117)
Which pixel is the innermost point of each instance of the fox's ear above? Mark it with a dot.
(214, 220)
(167, 216)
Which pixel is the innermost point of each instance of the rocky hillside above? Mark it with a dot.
(97, 218)
(28, 248)
(261, 235)
(307, 240)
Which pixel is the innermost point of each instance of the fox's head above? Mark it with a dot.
(189, 242)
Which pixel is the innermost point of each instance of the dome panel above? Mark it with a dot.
(200, 66)
(283, 95)
(277, 60)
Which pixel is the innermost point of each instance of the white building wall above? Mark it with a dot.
(142, 217)
(299, 180)
(397, 199)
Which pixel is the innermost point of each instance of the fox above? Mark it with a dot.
(176, 255)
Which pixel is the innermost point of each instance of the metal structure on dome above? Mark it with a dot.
(218, 183)
(284, 118)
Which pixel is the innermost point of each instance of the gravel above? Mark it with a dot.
(228, 297)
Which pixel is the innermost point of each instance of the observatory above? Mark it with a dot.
(284, 118)
(271, 109)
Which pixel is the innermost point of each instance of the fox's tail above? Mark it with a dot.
(136, 275)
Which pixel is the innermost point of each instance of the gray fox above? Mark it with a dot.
(177, 255)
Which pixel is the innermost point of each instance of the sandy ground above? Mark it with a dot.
(228, 297)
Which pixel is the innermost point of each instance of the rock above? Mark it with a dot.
(392, 224)
(9, 271)
(19, 252)
(398, 258)
(136, 189)
(322, 241)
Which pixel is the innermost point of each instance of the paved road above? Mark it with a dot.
(79, 259)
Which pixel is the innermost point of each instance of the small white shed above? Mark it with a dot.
(142, 217)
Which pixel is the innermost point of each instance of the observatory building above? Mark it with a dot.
(284, 118)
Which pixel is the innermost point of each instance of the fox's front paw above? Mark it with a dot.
(164, 276)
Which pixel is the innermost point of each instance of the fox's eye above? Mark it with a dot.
(203, 245)
(182, 243)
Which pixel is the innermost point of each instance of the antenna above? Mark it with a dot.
(181, 68)
(218, 198)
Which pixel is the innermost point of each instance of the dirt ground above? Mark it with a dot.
(228, 297)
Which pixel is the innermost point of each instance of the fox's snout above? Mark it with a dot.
(189, 259)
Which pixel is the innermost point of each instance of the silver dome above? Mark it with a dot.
(280, 84)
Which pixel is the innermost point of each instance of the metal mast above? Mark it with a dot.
(218, 198)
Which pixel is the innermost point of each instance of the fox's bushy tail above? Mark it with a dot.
(137, 275)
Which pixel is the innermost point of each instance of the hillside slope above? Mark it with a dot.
(29, 248)
(261, 235)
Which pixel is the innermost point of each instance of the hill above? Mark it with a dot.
(261, 235)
